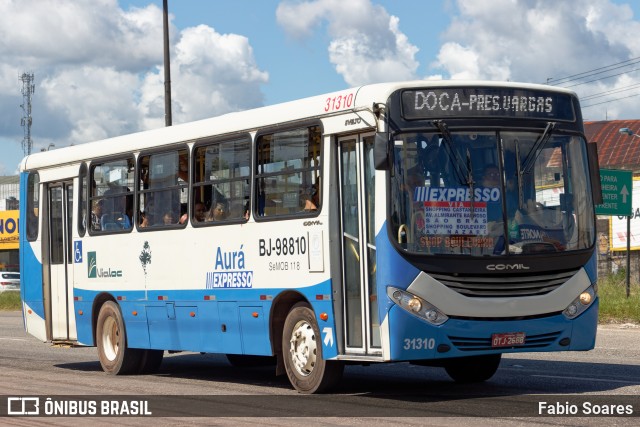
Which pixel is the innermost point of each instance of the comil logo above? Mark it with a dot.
(504, 267)
(91, 265)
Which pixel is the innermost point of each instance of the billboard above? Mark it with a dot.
(618, 224)
(9, 230)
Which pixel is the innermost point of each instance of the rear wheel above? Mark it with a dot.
(308, 372)
(150, 361)
(473, 369)
(115, 357)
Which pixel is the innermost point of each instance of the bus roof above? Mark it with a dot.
(344, 101)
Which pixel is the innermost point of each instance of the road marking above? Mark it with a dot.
(585, 379)
(13, 339)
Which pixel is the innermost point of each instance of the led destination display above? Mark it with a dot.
(486, 102)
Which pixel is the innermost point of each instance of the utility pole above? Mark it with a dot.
(28, 87)
(167, 65)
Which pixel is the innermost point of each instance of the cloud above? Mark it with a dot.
(534, 40)
(211, 74)
(39, 33)
(99, 70)
(366, 44)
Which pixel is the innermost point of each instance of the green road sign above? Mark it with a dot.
(616, 192)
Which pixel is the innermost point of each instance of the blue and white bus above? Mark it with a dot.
(359, 226)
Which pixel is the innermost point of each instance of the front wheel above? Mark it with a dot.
(115, 357)
(308, 372)
(473, 369)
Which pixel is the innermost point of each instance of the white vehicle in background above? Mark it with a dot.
(10, 281)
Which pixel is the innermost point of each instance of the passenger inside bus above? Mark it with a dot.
(414, 181)
(307, 197)
(218, 212)
(115, 215)
(96, 214)
(169, 218)
(491, 176)
(432, 167)
(199, 212)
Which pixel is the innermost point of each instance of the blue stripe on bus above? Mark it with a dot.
(591, 267)
(392, 270)
(236, 321)
(30, 267)
(31, 275)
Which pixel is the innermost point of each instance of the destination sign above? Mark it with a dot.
(486, 102)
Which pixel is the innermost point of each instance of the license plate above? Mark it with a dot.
(508, 339)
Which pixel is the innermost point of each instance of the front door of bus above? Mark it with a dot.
(61, 320)
(357, 196)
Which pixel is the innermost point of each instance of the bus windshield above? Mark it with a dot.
(504, 192)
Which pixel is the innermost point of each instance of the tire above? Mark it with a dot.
(307, 370)
(115, 357)
(150, 361)
(473, 369)
(248, 361)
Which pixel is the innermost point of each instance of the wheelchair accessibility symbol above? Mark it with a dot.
(77, 252)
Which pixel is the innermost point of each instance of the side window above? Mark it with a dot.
(221, 181)
(163, 179)
(82, 206)
(111, 196)
(288, 172)
(33, 197)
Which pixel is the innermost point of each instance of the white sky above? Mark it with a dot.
(98, 64)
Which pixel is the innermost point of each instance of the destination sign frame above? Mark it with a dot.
(476, 102)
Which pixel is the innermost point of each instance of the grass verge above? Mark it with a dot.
(10, 300)
(615, 307)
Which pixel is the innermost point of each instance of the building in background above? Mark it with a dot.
(622, 152)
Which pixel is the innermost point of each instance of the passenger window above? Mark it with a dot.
(162, 189)
(288, 175)
(82, 205)
(111, 197)
(33, 197)
(221, 181)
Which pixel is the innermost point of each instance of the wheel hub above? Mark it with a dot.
(303, 348)
(110, 338)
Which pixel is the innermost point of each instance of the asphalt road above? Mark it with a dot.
(203, 389)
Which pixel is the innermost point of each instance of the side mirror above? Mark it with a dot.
(594, 172)
(382, 151)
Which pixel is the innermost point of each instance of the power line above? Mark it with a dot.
(609, 92)
(602, 78)
(611, 100)
(589, 73)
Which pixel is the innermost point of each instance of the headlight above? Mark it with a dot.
(417, 306)
(580, 304)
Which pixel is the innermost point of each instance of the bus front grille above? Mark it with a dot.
(481, 344)
(504, 286)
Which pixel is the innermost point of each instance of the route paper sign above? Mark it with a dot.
(456, 210)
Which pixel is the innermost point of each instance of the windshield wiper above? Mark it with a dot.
(537, 147)
(461, 169)
(470, 183)
(464, 171)
(519, 176)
